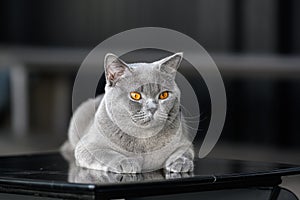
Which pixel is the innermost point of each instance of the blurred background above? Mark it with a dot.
(255, 44)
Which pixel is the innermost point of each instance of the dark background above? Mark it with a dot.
(267, 26)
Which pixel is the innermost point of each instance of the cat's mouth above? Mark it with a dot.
(144, 121)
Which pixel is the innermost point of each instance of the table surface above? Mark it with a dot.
(54, 176)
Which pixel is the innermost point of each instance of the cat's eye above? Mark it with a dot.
(135, 95)
(164, 95)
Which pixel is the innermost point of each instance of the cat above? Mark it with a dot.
(136, 125)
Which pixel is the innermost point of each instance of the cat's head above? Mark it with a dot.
(142, 97)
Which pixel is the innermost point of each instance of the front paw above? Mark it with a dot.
(181, 164)
(128, 165)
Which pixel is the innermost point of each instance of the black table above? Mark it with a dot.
(51, 175)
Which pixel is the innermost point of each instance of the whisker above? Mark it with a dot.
(196, 119)
(164, 116)
(184, 125)
(191, 117)
(190, 127)
(184, 108)
(139, 118)
(139, 115)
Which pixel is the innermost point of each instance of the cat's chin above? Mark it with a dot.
(145, 124)
(149, 129)
(148, 124)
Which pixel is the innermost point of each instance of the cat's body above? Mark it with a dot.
(136, 125)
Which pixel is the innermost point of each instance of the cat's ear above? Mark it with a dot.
(170, 64)
(115, 68)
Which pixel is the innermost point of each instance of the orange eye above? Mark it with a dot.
(135, 95)
(164, 95)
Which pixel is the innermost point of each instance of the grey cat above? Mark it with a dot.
(136, 126)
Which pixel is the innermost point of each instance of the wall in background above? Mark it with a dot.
(263, 107)
(256, 26)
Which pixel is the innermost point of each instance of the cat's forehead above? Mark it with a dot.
(147, 73)
(143, 67)
(151, 88)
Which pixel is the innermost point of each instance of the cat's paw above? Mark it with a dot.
(173, 175)
(128, 165)
(181, 164)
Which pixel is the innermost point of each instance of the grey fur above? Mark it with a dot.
(116, 133)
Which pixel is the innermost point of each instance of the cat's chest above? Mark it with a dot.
(137, 145)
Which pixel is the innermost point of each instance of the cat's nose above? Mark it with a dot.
(152, 110)
(151, 106)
